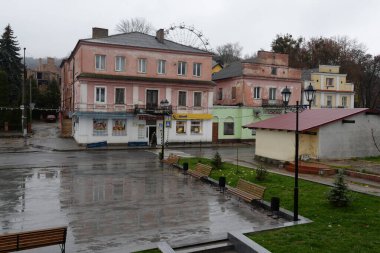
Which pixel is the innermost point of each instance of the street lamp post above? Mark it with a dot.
(309, 92)
(164, 106)
(23, 117)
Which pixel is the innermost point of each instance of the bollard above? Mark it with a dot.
(222, 184)
(185, 168)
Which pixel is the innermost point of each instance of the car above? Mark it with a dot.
(51, 118)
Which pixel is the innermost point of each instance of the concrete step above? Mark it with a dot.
(212, 247)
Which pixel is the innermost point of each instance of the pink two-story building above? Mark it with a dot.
(112, 87)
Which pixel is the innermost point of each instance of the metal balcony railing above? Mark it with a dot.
(271, 103)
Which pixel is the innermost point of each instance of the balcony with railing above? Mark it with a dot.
(139, 109)
(272, 103)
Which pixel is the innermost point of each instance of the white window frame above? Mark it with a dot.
(332, 82)
(184, 126)
(118, 62)
(101, 67)
(344, 99)
(161, 67)
(185, 98)
(197, 92)
(180, 68)
(140, 68)
(197, 68)
(105, 94)
(328, 100)
(196, 123)
(124, 95)
(271, 97)
(256, 92)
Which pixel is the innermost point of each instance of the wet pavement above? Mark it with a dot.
(116, 201)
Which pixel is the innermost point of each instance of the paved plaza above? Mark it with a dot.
(118, 201)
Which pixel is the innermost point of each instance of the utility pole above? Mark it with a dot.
(23, 117)
(30, 102)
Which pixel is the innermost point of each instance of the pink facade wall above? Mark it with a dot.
(259, 74)
(245, 91)
(88, 52)
(85, 63)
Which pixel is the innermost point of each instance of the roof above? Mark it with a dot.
(137, 39)
(233, 70)
(308, 119)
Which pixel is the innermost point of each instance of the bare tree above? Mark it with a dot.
(229, 53)
(135, 25)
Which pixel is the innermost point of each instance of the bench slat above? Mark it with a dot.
(32, 239)
(248, 191)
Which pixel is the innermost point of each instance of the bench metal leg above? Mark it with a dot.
(62, 246)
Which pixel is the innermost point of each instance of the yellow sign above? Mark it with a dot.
(185, 116)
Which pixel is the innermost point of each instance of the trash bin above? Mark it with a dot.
(275, 204)
(185, 167)
(222, 182)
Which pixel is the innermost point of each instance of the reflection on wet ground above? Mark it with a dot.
(118, 207)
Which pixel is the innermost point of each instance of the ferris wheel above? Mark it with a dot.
(187, 35)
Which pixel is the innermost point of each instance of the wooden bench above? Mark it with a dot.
(200, 170)
(248, 191)
(33, 239)
(172, 159)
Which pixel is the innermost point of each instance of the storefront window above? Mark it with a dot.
(119, 127)
(181, 127)
(99, 127)
(196, 127)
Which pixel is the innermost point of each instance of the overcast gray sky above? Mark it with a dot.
(52, 27)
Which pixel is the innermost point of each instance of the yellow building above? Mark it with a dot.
(332, 89)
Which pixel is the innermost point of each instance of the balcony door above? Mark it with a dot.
(151, 99)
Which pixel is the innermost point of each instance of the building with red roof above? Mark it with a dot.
(324, 134)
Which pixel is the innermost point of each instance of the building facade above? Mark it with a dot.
(332, 88)
(328, 133)
(252, 92)
(112, 87)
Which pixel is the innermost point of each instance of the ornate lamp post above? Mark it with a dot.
(164, 106)
(285, 98)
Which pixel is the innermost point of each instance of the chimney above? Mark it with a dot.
(160, 35)
(99, 32)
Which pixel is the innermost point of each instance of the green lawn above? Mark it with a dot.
(375, 159)
(352, 229)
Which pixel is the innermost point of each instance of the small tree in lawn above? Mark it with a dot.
(217, 161)
(339, 195)
(261, 173)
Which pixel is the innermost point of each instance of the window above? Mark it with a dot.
(120, 63)
(197, 99)
(100, 94)
(329, 81)
(119, 96)
(272, 93)
(344, 101)
(100, 62)
(233, 93)
(151, 99)
(274, 71)
(141, 132)
(182, 98)
(161, 67)
(253, 132)
(119, 127)
(197, 69)
(196, 127)
(256, 93)
(228, 128)
(181, 127)
(182, 68)
(329, 101)
(142, 66)
(220, 94)
(99, 127)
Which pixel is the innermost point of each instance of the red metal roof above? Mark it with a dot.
(308, 119)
